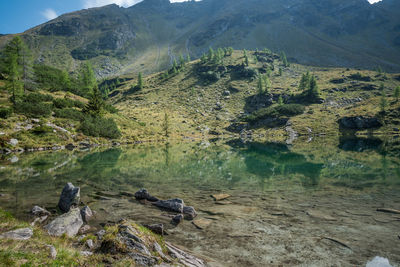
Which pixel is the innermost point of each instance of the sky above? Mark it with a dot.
(20, 15)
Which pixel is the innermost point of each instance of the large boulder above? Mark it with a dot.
(359, 123)
(18, 234)
(175, 204)
(189, 212)
(70, 196)
(68, 223)
(38, 211)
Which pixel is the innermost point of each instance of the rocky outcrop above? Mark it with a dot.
(70, 196)
(68, 223)
(359, 123)
(18, 234)
(144, 249)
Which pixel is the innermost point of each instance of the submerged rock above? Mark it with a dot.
(175, 204)
(144, 194)
(218, 197)
(68, 223)
(18, 234)
(70, 196)
(379, 262)
(190, 212)
(177, 219)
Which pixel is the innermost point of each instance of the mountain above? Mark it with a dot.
(149, 35)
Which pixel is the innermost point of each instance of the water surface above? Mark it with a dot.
(291, 205)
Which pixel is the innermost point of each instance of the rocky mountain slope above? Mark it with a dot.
(148, 36)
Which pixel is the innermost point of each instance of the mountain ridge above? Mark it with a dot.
(148, 36)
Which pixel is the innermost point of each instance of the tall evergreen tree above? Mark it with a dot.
(383, 103)
(284, 59)
(267, 84)
(397, 93)
(95, 105)
(140, 81)
(313, 90)
(210, 55)
(305, 81)
(260, 85)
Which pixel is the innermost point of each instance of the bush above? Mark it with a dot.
(68, 113)
(63, 103)
(359, 77)
(78, 104)
(37, 98)
(5, 113)
(43, 129)
(100, 127)
(32, 109)
(110, 108)
(288, 110)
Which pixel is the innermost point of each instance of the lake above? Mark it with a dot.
(311, 203)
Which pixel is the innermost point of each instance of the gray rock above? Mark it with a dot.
(70, 196)
(13, 142)
(100, 234)
(53, 252)
(84, 229)
(142, 260)
(38, 211)
(18, 234)
(86, 213)
(183, 257)
(86, 253)
(144, 194)
(175, 204)
(68, 223)
(189, 212)
(177, 219)
(89, 243)
(156, 228)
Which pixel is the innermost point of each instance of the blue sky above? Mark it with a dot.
(19, 15)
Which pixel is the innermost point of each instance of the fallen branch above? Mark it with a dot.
(337, 241)
(388, 210)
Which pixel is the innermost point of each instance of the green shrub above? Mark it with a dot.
(32, 109)
(78, 104)
(288, 110)
(5, 113)
(110, 108)
(68, 113)
(43, 129)
(63, 103)
(100, 127)
(37, 98)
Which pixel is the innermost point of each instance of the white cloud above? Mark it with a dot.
(49, 14)
(374, 1)
(124, 3)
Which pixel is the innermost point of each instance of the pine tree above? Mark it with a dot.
(267, 84)
(305, 81)
(280, 101)
(165, 125)
(13, 68)
(210, 55)
(284, 59)
(181, 61)
(203, 59)
(246, 58)
(383, 103)
(96, 104)
(188, 59)
(313, 90)
(260, 85)
(397, 93)
(140, 81)
(280, 71)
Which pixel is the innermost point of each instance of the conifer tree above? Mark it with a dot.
(383, 103)
(280, 101)
(210, 55)
(280, 71)
(397, 93)
(188, 59)
(267, 84)
(284, 59)
(313, 90)
(305, 81)
(140, 81)
(96, 104)
(260, 85)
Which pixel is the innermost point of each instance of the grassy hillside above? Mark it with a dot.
(196, 105)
